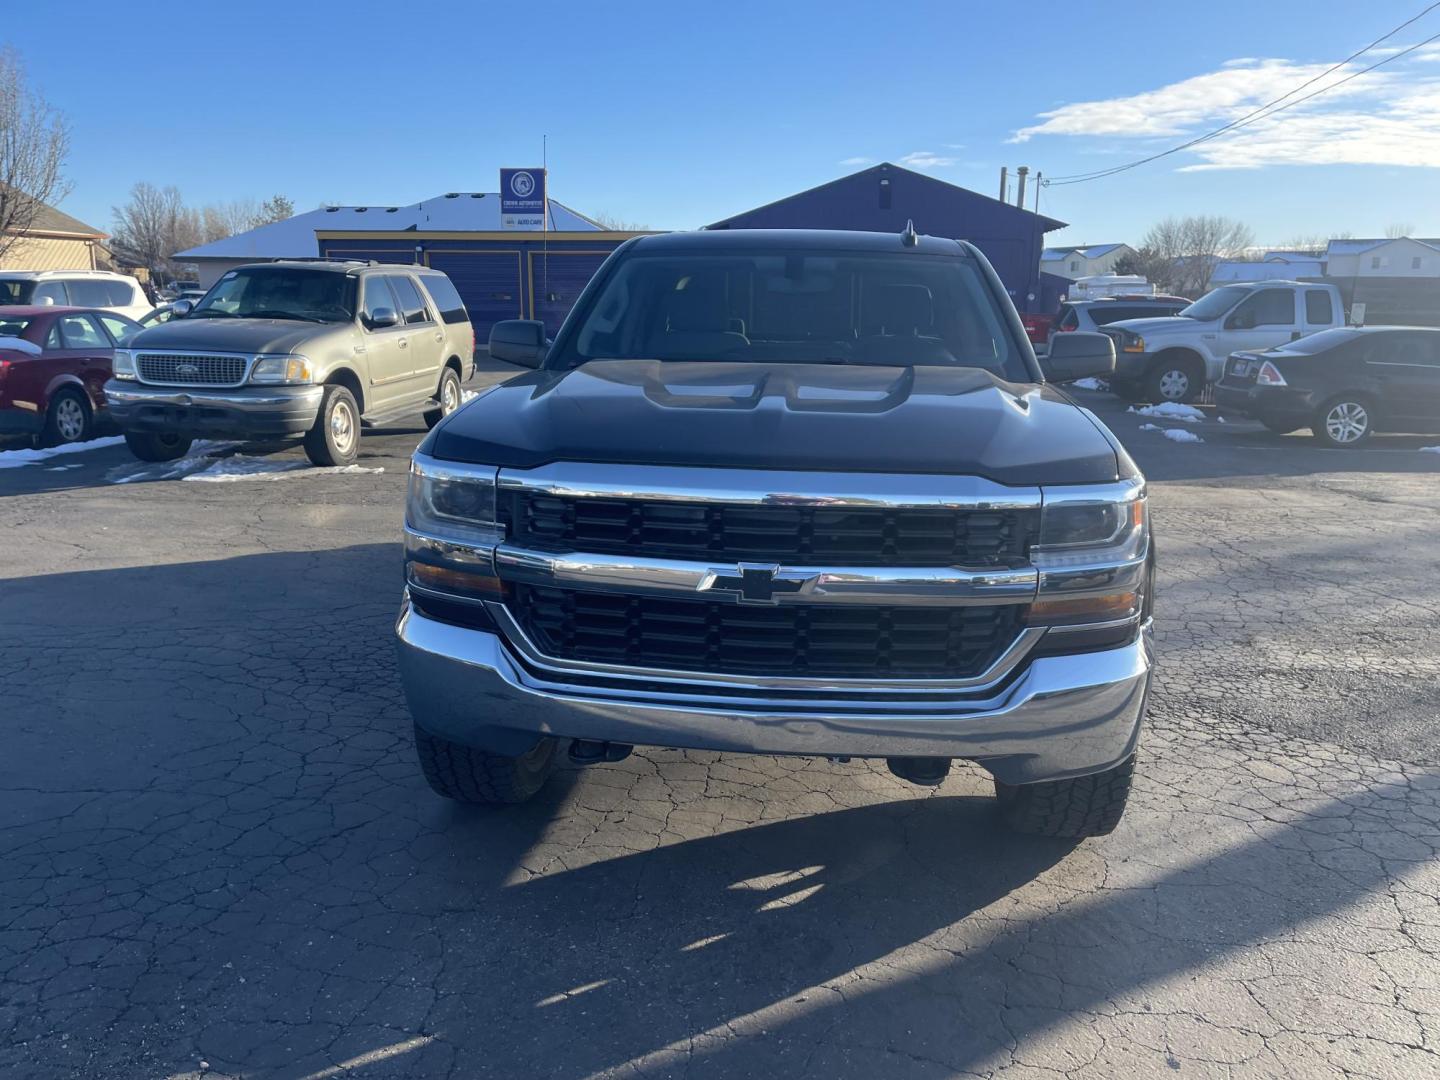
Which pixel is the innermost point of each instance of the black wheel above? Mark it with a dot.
(1084, 806)
(1280, 427)
(1175, 378)
(69, 418)
(158, 446)
(468, 775)
(449, 397)
(1124, 389)
(335, 438)
(1343, 422)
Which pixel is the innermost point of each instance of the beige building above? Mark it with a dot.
(57, 241)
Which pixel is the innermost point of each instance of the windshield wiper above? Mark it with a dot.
(275, 313)
(212, 313)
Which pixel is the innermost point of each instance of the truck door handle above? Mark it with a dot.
(1294, 335)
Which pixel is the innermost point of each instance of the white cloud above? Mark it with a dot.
(858, 161)
(926, 159)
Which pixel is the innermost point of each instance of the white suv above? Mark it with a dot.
(75, 288)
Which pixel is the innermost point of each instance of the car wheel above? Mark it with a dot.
(468, 775)
(1174, 380)
(335, 438)
(1280, 427)
(1124, 389)
(449, 396)
(68, 419)
(158, 446)
(1075, 808)
(1343, 422)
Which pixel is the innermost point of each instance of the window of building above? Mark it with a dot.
(1415, 263)
(1074, 266)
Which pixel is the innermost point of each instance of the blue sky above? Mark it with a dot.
(675, 115)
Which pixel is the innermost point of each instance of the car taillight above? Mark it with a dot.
(1269, 375)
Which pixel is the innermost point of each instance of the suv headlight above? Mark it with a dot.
(451, 529)
(123, 366)
(281, 369)
(1132, 343)
(1093, 555)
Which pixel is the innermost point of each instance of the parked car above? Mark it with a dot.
(296, 349)
(1173, 359)
(784, 493)
(53, 365)
(1091, 315)
(1344, 385)
(93, 289)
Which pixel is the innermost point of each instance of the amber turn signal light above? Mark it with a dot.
(1080, 609)
(444, 579)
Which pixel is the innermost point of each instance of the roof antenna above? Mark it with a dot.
(908, 238)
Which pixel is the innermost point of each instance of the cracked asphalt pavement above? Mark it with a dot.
(218, 858)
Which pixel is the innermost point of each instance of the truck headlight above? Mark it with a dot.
(1092, 554)
(278, 370)
(123, 366)
(451, 529)
(1133, 343)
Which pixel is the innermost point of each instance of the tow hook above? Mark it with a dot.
(928, 771)
(590, 752)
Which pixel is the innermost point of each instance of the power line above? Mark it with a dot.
(1272, 107)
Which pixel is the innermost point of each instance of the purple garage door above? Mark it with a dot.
(557, 280)
(488, 282)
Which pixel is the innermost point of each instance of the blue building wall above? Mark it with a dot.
(503, 275)
(883, 198)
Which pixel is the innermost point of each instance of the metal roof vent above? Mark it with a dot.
(477, 194)
(331, 209)
(909, 238)
(452, 195)
(392, 209)
(361, 209)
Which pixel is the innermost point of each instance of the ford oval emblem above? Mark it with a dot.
(187, 369)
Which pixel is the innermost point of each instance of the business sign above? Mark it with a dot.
(522, 198)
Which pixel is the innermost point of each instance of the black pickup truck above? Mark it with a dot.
(784, 493)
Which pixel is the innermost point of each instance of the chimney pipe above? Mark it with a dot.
(1020, 173)
(1004, 184)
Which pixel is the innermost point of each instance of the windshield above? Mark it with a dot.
(265, 292)
(1214, 304)
(796, 307)
(15, 290)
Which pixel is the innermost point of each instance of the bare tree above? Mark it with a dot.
(153, 226)
(1399, 229)
(1179, 254)
(34, 139)
(615, 223)
(219, 220)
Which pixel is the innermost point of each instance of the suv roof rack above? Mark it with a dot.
(329, 259)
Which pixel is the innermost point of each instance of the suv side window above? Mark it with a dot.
(1270, 307)
(52, 290)
(377, 296)
(442, 292)
(89, 292)
(412, 305)
(1068, 320)
(80, 332)
(1318, 308)
(1107, 314)
(122, 294)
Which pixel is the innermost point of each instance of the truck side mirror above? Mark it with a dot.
(1079, 355)
(382, 318)
(518, 341)
(180, 309)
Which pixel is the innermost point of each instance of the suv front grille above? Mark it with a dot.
(816, 640)
(807, 534)
(188, 370)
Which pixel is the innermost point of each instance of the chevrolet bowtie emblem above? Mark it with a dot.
(754, 583)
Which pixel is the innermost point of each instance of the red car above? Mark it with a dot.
(53, 365)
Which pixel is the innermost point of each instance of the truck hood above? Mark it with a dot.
(783, 416)
(1157, 326)
(233, 335)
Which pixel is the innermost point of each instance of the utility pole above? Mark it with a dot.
(1020, 173)
(1004, 184)
(1039, 179)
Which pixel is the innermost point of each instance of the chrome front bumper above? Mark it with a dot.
(247, 411)
(1062, 716)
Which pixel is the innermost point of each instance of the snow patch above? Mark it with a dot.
(1430, 449)
(198, 457)
(1089, 384)
(230, 469)
(1173, 410)
(1181, 435)
(468, 395)
(1151, 427)
(14, 459)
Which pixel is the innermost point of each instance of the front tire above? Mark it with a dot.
(1076, 808)
(68, 419)
(1179, 379)
(1344, 422)
(449, 395)
(468, 775)
(335, 438)
(157, 446)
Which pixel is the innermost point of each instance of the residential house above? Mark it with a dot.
(56, 241)
(1401, 256)
(1272, 266)
(1083, 260)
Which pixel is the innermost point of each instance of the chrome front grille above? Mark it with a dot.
(192, 369)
